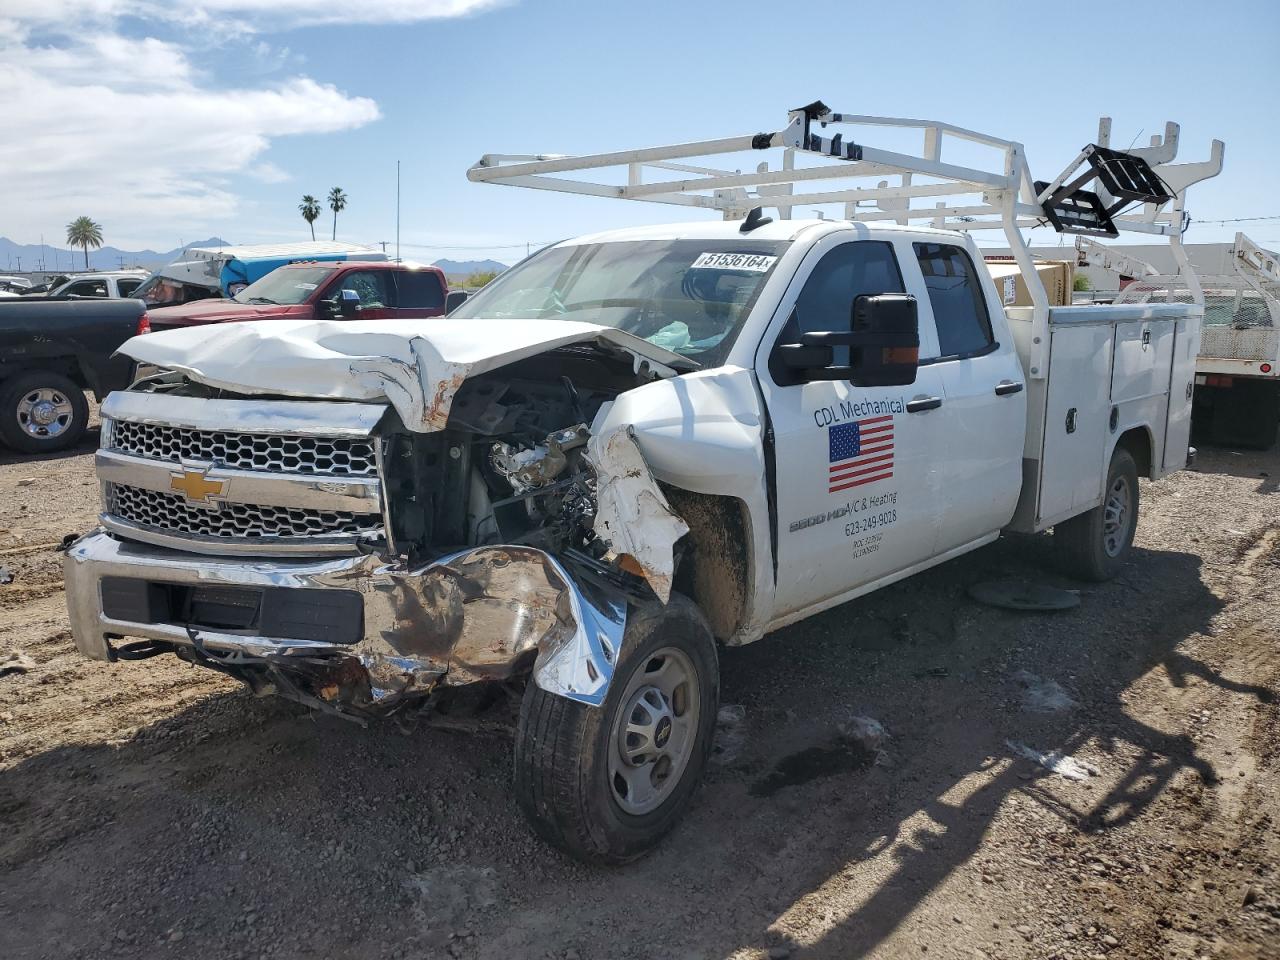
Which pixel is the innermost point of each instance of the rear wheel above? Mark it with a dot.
(606, 783)
(42, 412)
(1095, 545)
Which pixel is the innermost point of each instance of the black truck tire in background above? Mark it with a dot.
(1095, 545)
(42, 412)
(566, 778)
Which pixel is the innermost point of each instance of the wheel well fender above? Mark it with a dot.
(1139, 444)
(715, 565)
(68, 366)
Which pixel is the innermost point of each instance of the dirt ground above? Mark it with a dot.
(155, 810)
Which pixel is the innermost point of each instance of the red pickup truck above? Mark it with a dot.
(341, 290)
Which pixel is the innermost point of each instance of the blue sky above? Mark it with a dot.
(185, 119)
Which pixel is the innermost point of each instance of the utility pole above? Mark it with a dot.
(19, 264)
(120, 260)
(383, 244)
(397, 211)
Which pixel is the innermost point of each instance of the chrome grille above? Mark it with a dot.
(334, 456)
(243, 521)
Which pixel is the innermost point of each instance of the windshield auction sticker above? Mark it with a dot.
(749, 262)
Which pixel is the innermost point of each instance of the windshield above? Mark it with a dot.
(690, 296)
(291, 285)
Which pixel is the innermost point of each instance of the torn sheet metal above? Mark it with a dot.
(632, 515)
(487, 613)
(416, 365)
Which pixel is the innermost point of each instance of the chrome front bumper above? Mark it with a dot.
(486, 613)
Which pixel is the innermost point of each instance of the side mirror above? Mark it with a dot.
(348, 304)
(454, 299)
(883, 343)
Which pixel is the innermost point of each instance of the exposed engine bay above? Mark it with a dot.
(511, 466)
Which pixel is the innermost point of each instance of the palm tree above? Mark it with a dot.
(310, 210)
(83, 232)
(337, 202)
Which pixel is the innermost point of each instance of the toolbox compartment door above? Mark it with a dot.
(1077, 408)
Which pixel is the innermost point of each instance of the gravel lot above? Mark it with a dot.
(155, 810)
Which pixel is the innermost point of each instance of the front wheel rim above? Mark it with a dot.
(1117, 517)
(654, 732)
(45, 413)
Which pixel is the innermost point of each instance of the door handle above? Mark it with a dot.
(1007, 388)
(921, 404)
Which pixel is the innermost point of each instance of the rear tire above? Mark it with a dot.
(605, 784)
(42, 412)
(1095, 545)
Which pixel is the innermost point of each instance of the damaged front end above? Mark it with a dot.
(350, 557)
(489, 613)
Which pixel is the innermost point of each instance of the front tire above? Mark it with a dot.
(42, 412)
(1095, 545)
(605, 784)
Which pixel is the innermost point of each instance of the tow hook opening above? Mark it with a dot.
(139, 650)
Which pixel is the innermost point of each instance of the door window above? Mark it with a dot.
(126, 287)
(369, 285)
(419, 289)
(87, 288)
(826, 301)
(955, 294)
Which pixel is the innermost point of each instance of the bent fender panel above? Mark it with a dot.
(704, 432)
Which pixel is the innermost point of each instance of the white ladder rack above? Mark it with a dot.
(835, 170)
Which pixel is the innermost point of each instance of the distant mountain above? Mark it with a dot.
(107, 258)
(465, 268)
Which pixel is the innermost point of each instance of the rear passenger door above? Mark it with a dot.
(984, 396)
(419, 293)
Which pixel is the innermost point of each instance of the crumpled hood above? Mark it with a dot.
(416, 365)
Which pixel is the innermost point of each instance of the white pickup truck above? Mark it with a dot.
(626, 450)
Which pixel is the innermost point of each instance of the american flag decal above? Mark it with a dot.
(861, 452)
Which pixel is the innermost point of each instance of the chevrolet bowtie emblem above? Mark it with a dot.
(195, 486)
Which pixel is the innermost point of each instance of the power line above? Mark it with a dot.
(1198, 221)
(492, 246)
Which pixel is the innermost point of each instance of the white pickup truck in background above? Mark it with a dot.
(630, 448)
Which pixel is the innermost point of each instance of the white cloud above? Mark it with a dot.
(140, 138)
(245, 15)
(133, 132)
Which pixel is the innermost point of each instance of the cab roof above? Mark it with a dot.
(362, 264)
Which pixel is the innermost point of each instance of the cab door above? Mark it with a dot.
(985, 400)
(855, 483)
